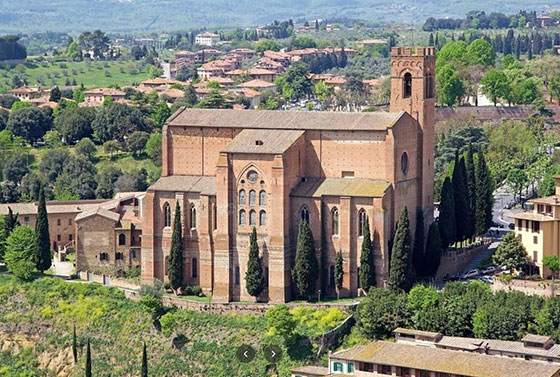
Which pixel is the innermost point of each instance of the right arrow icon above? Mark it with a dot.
(272, 353)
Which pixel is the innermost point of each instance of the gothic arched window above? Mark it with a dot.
(407, 81)
(262, 218)
(305, 214)
(362, 219)
(252, 218)
(193, 217)
(242, 217)
(166, 215)
(122, 239)
(242, 197)
(262, 198)
(252, 197)
(335, 221)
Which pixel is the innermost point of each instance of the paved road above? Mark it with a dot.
(479, 258)
(62, 269)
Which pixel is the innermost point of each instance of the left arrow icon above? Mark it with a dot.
(246, 353)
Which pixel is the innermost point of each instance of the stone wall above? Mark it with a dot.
(113, 281)
(529, 287)
(454, 262)
(491, 114)
(332, 339)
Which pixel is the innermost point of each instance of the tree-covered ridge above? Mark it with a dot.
(10, 49)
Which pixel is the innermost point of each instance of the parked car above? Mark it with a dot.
(487, 279)
(488, 270)
(471, 274)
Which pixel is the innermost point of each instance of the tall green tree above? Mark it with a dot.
(450, 87)
(510, 252)
(401, 274)
(460, 196)
(43, 258)
(447, 214)
(338, 273)
(367, 260)
(19, 257)
(254, 279)
(471, 189)
(306, 270)
(88, 360)
(175, 266)
(433, 250)
(144, 361)
(160, 113)
(418, 258)
(495, 85)
(484, 199)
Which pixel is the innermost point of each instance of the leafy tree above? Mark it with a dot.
(321, 90)
(480, 51)
(484, 199)
(418, 256)
(106, 181)
(305, 272)
(15, 168)
(303, 42)
(160, 113)
(19, 256)
(191, 97)
(42, 239)
(175, 266)
(494, 84)
(55, 94)
(30, 123)
(30, 186)
(52, 139)
(517, 180)
(367, 260)
(53, 162)
(450, 87)
(446, 220)
(213, 100)
(88, 360)
(525, 91)
(254, 279)
(553, 264)
(153, 147)
(401, 273)
(295, 83)
(452, 52)
(77, 178)
(137, 142)
(461, 197)
(7, 100)
(144, 372)
(510, 252)
(78, 95)
(86, 148)
(381, 312)
(338, 273)
(20, 105)
(433, 250)
(75, 123)
(281, 323)
(111, 146)
(134, 180)
(267, 45)
(117, 120)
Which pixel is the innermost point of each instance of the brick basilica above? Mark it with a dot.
(231, 170)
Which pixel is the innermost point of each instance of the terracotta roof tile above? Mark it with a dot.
(263, 141)
(204, 185)
(353, 187)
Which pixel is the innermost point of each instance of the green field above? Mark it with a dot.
(90, 74)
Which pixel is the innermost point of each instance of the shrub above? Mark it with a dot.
(155, 289)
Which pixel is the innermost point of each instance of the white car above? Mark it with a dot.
(488, 270)
(471, 274)
(487, 279)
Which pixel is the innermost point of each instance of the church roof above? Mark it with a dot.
(186, 183)
(263, 141)
(286, 120)
(101, 212)
(353, 187)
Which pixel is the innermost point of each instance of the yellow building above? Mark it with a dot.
(538, 229)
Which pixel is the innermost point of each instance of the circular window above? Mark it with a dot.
(252, 176)
(404, 163)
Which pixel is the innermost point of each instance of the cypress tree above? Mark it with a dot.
(367, 262)
(484, 198)
(460, 196)
(305, 271)
(433, 250)
(471, 188)
(10, 222)
(42, 239)
(175, 266)
(447, 214)
(144, 361)
(254, 279)
(418, 260)
(338, 273)
(431, 40)
(75, 346)
(88, 360)
(401, 275)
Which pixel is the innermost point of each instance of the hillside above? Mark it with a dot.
(145, 15)
(37, 319)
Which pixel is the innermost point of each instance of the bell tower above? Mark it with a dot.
(413, 91)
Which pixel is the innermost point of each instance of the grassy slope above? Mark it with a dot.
(117, 327)
(89, 74)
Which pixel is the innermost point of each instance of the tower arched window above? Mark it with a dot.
(242, 217)
(122, 239)
(262, 198)
(166, 215)
(305, 214)
(407, 82)
(335, 221)
(362, 219)
(193, 216)
(252, 218)
(252, 197)
(242, 197)
(262, 218)
(194, 268)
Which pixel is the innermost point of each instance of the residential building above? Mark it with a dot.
(26, 93)
(253, 73)
(545, 21)
(372, 42)
(96, 97)
(259, 85)
(234, 170)
(245, 53)
(538, 228)
(207, 39)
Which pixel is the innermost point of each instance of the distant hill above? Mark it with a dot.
(147, 15)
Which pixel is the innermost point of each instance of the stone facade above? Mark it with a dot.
(231, 170)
